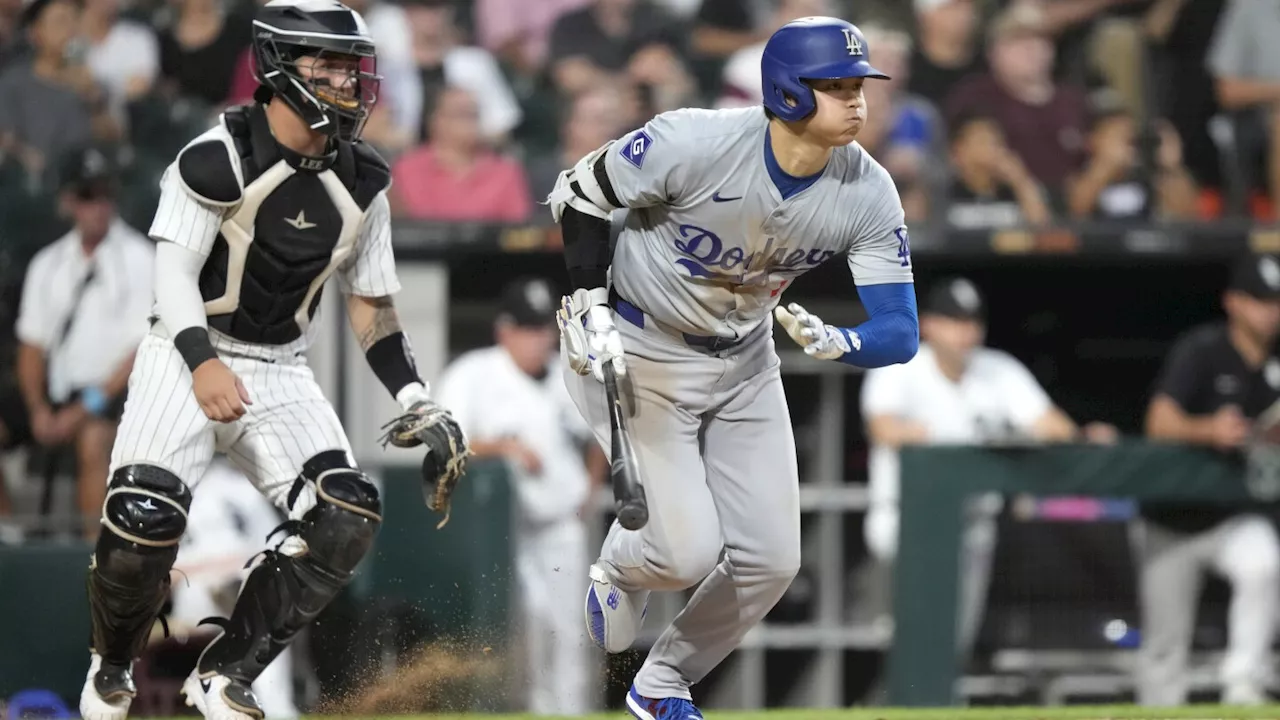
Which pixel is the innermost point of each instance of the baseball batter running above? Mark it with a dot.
(254, 216)
(726, 208)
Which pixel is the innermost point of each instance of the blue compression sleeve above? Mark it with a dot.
(892, 334)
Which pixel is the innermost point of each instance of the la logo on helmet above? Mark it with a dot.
(851, 42)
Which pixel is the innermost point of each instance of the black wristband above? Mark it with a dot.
(391, 359)
(194, 346)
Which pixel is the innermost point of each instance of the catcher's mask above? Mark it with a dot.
(317, 56)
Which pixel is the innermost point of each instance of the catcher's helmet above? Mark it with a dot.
(812, 48)
(285, 31)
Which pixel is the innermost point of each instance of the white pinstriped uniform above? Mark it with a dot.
(290, 420)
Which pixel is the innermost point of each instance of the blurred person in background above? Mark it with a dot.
(123, 55)
(1215, 380)
(990, 187)
(723, 29)
(1245, 62)
(199, 48)
(441, 60)
(904, 132)
(946, 47)
(1043, 122)
(595, 117)
(519, 32)
(229, 520)
(1111, 184)
(634, 38)
(85, 305)
(741, 82)
(956, 390)
(10, 30)
(1178, 33)
(456, 176)
(513, 407)
(52, 103)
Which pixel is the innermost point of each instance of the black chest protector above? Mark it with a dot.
(291, 221)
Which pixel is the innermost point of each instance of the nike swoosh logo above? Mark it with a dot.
(716, 198)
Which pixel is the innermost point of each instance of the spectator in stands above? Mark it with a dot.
(741, 84)
(1043, 122)
(199, 49)
(1217, 378)
(511, 401)
(1245, 60)
(1111, 185)
(519, 32)
(441, 60)
(1178, 36)
(123, 55)
(904, 132)
(10, 29)
(51, 101)
(85, 305)
(595, 118)
(633, 38)
(990, 187)
(955, 390)
(723, 29)
(456, 176)
(946, 47)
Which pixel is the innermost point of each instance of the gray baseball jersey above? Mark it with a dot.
(710, 243)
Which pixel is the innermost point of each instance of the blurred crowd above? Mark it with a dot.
(1000, 112)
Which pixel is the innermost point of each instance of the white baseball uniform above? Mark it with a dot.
(492, 398)
(997, 398)
(289, 420)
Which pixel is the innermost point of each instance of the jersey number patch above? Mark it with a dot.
(636, 148)
(904, 246)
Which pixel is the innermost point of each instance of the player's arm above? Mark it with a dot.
(642, 169)
(1178, 387)
(196, 191)
(369, 281)
(880, 261)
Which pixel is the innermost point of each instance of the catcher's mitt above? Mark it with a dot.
(429, 424)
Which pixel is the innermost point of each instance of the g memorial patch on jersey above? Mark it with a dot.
(710, 241)
(290, 222)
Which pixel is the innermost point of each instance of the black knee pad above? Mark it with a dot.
(144, 518)
(147, 505)
(340, 529)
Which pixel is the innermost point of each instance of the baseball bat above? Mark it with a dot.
(624, 470)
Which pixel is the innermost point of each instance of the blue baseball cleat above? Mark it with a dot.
(665, 709)
(614, 616)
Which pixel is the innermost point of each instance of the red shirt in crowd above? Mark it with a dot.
(492, 189)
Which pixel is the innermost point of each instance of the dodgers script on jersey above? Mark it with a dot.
(710, 244)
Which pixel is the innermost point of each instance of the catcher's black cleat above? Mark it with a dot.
(219, 697)
(108, 691)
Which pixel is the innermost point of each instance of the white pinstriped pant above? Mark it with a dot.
(289, 422)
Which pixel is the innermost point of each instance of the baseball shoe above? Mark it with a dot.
(219, 697)
(614, 616)
(108, 691)
(665, 709)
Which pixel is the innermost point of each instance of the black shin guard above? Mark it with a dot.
(144, 518)
(286, 592)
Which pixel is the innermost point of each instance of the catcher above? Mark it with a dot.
(255, 216)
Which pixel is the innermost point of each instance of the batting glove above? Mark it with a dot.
(591, 339)
(819, 340)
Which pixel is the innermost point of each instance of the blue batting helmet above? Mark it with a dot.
(812, 48)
